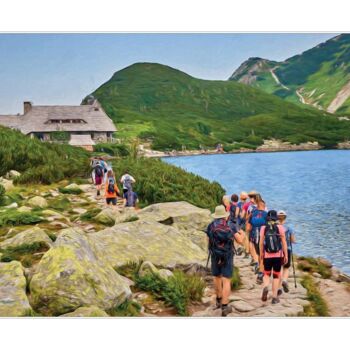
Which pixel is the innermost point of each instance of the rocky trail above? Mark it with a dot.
(71, 264)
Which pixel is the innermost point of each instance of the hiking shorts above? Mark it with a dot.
(225, 270)
(287, 265)
(98, 180)
(274, 264)
(111, 200)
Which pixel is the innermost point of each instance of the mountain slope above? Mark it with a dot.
(318, 77)
(169, 108)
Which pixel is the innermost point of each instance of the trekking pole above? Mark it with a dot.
(291, 252)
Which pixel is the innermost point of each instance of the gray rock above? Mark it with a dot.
(37, 202)
(12, 174)
(242, 306)
(12, 206)
(87, 311)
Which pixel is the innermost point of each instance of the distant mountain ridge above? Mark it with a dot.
(169, 109)
(319, 77)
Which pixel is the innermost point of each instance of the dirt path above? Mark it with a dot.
(246, 301)
(275, 77)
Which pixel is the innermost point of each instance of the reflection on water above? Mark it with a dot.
(313, 187)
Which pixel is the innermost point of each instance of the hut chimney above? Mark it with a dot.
(27, 106)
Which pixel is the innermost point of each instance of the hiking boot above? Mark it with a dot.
(264, 294)
(98, 192)
(218, 304)
(252, 263)
(226, 309)
(279, 292)
(285, 286)
(246, 255)
(275, 301)
(256, 268)
(259, 279)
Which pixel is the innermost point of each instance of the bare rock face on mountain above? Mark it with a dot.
(160, 244)
(179, 214)
(70, 275)
(13, 299)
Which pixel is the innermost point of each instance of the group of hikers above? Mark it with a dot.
(244, 225)
(104, 179)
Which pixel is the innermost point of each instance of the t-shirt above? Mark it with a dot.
(288, 232)
(262, 237)
(126, 177)
(111, 195)
(246, 205)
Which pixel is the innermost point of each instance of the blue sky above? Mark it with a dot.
(64, 68)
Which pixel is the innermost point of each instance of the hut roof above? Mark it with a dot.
(89, 118)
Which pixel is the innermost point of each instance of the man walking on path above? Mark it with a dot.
(221, 234)
(273, 253)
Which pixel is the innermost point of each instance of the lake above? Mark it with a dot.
(312, 187)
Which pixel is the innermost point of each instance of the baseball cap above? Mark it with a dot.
(281, 213)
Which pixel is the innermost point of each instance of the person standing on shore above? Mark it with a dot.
(221, 235)
(290, 238)
(273, 253)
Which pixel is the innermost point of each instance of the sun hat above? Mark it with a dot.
(252, 193)
(281, 213)
(220, 213)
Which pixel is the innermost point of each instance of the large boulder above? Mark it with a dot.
(37, 202)
(87, 311)
(12, 174)
(106, 216)
(160, 244)
(7, 184)
(31, 238)
(24, 209)
(70, 275)
(181, 214)
(13, 299)
(111, 216)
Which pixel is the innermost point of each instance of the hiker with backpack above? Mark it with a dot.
(226, 202)
(234, 215)
(111, 189)
(98, 174)
(241, 221)
(290, 238)
(131, 199)
(221, 235)
(127, 181)
(256, 219)
(273, 253)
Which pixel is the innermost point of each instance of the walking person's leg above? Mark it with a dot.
(276, 274)
(266, 278)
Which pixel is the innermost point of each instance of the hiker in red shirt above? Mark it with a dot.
(273, 253)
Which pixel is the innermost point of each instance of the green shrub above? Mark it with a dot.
(177, 291)
(2, 194)
(40, 162)
(90, 214)
(309, 264)
(24, 253)
(236, 282)
(70, 190)
(129, 308)
(113, 149)
(318, 306)
(60, 204)
(14, 218)
(157, 181)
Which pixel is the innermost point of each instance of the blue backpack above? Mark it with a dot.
(258, 218)
(233, 217)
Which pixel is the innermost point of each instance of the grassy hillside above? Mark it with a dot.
(39, 162)
(317, 74)
(169, 108)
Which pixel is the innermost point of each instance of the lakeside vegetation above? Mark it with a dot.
(169, 109)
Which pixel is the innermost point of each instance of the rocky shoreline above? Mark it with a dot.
(268, 147)
(74, 262)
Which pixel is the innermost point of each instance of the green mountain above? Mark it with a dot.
(168, 108)
(319, 77)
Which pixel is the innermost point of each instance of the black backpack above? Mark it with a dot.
(111, 188)
(99, 170)
(233, 208)
(220, 241)
(272, 240)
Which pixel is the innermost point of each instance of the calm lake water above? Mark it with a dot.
(313, 187)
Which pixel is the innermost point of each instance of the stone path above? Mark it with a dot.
(246, 301)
